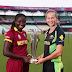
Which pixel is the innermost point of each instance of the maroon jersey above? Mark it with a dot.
(18, 40)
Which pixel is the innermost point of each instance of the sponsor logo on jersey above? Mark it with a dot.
(46, 42)
(51, 37)
(19, 36)
(22, 42)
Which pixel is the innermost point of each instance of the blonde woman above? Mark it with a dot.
(53, 45)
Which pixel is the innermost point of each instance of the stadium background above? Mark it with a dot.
(36, 20)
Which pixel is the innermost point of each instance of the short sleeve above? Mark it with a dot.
(9, 36)
(60, 38)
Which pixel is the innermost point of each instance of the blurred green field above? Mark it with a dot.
(66, 57)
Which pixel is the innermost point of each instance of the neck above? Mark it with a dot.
(53, 27)
(20, 30)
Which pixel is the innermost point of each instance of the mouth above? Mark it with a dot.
(21, 26)
(51, 22)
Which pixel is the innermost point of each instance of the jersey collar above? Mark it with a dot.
(17, 29)
(54, 29)
(57, 27)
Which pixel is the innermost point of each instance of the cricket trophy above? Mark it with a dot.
(33, 46)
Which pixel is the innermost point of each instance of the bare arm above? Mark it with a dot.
(57, 53)
(8, 53)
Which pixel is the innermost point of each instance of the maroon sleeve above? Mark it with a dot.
(9, 36)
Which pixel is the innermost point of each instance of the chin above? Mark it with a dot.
(51, 25)
(21, 27)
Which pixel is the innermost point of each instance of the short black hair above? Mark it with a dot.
(19, 15)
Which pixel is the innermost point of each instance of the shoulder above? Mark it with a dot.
(9, 36)
(24, 32)
(10, 31)
(60, 32)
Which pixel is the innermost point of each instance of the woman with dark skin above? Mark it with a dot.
(15, 46)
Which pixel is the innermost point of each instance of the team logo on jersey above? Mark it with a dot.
(24, 35)
(51, 37)
(61, 37)
(19, 36)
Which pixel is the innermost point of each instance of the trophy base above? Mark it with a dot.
(33, 60)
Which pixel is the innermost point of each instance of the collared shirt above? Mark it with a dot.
(18, 40)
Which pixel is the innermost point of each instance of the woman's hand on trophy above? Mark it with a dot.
(40, 60)
(29, 56)
(38, 57)
(25, 59)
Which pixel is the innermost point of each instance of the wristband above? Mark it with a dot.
(28, 55)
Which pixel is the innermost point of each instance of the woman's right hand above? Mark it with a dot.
(25, 59)
(38, 57)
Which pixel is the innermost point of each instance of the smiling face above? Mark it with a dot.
(51, 19)
(20, 22)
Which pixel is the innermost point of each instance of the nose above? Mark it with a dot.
(22, 23)
(50, 19)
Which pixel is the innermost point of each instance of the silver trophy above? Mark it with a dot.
(34, 47)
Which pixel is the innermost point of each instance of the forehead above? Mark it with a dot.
(50, 14)
(21, 18)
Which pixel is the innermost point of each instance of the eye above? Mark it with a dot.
(18, 21)
(24, 21)
(21, 21)
(48, 18)
(52, 17)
